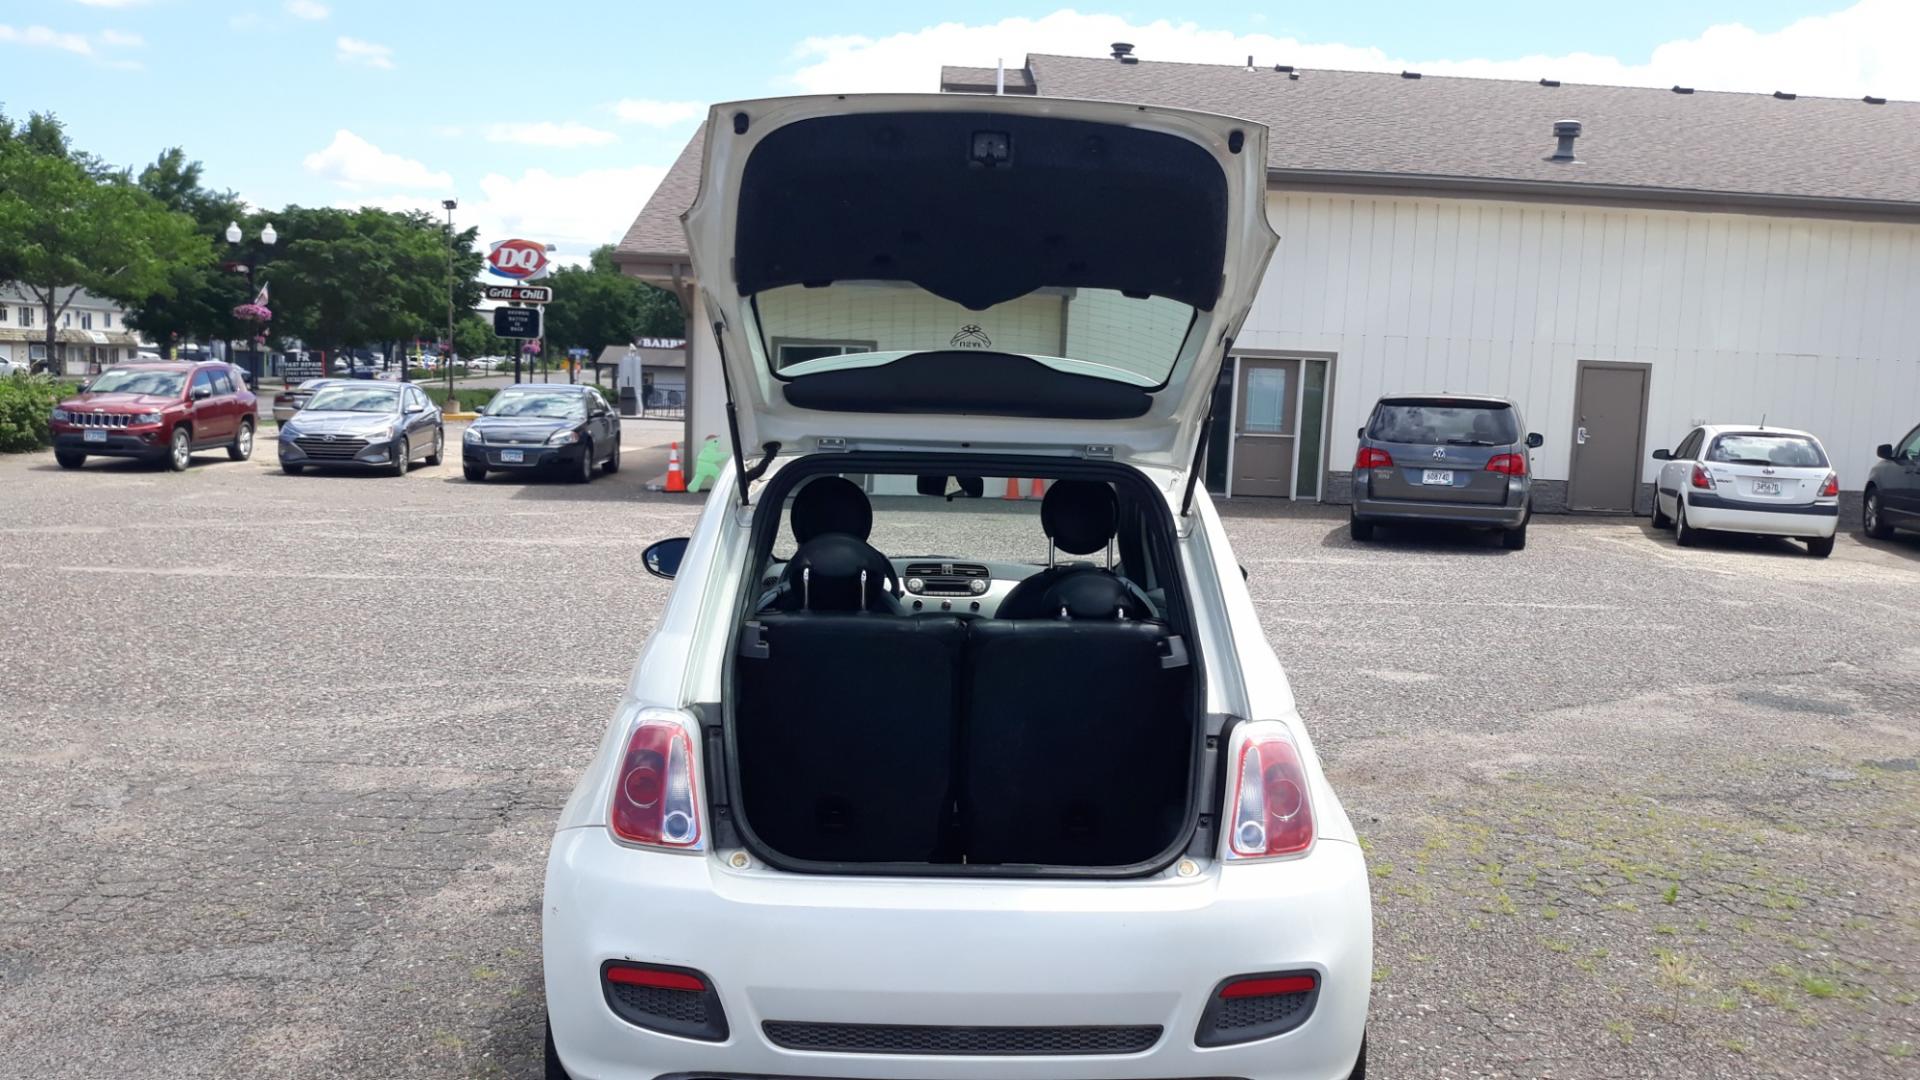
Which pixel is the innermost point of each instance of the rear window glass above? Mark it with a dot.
(1440, 422)
(1766, 448)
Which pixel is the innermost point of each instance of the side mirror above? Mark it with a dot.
(1535, 440)
(1885, 450)
(662, 559)
(86, 386)
(1663, 455)
(202, 392)
(1360, 432)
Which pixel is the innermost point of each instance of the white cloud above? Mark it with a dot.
(352, 162)
(308, 9)
(547, 133)
(575, 212)
(364, 53)
(1866, 48)
(41, 37)
(121, 39)
(658, 113)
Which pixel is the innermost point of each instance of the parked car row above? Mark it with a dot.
(164, 412)
(1461, 460)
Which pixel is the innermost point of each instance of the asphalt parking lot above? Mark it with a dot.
(279, 759)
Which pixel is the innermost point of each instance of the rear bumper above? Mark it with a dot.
(120, 442)
(1509, 515)
(795, 947)
(1721, 514)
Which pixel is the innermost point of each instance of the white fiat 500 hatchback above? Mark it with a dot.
(1748, 479)
(1026, 796)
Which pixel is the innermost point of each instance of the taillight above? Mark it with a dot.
(1832, 487)
(1702, 479)
(656, 795)
(1371, 458)
(1511, 464)
(1271, 813)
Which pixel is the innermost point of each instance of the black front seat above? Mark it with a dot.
(1079, 518)
(831, 520)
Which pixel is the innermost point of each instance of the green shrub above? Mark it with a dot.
(471, 398)
(26, 401)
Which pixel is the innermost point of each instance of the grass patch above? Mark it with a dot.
(1622, 1030)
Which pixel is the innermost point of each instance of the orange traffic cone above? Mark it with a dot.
(1036, 488)
(676, 480)
(1013, 488)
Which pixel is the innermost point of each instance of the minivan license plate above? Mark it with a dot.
(93, 435)
(1437, 476)
(512, 457)
(1766, 487)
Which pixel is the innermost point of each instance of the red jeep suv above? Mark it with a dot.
(157, 412)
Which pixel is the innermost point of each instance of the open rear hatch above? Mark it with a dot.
(916, 272)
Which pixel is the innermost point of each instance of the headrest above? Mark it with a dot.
(824, 575)
(830, 504)
(1079, 515)
(1091, 594)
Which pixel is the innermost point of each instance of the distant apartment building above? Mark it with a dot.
(89, 334)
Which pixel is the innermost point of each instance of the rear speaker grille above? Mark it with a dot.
(1260, 1011)
(960, 1041)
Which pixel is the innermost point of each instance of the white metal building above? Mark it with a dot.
(1703, 257)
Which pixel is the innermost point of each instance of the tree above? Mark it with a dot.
(473, 337)
(597, 306)
(348, 278)
(202, 295)
(67, 224)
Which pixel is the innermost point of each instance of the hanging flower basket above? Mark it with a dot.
(252, 313)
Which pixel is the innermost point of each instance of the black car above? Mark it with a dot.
(1892, 499)
(384, 426)
(530, 426)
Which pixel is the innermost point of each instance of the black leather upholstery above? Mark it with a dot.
(1079, 516)
(830, 504)
(846, 732)
(1075, 743)
(1087, 593)
(824, 575)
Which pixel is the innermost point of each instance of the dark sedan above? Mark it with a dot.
(570, 428)
(363, 426)
(1892, 499)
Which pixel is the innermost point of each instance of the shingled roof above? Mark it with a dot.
(1357, 129)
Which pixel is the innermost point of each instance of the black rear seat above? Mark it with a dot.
(1076, 742)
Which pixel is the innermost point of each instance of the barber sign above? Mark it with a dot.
(521, 260)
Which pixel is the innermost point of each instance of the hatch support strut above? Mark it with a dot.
(771, 450)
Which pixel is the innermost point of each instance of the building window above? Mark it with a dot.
(26, 316)
(106, 320)
(86, 320)
(3, 314)
(790, 351)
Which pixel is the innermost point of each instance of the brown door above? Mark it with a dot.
(1263, 427)
(1610, 423)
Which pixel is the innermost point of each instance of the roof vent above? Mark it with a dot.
(1566, 131)
(1123, 52)
(1283, 67)
(1784, 96)
(1409, 74)
(1871, 100)
(1549, 82)
(1683, 89)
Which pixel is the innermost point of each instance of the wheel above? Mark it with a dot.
(1871, 520)
(1683, 531)
(1359, 530)
(585, 472)
(613, 460)
(180, 450)
(555, 1071)
(1820, 546)
(70, 459)
(401, 454)
(241, 448)
(439, 446)
(474, 473)
(1660, 518)
(292, 469)
(1514, 539)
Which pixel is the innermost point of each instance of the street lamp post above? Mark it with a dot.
(449, 205)
(267, 239)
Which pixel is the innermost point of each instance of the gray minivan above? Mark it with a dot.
(1451, 459)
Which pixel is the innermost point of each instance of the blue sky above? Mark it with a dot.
(555, 120)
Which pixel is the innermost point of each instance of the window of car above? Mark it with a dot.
(1766, 448)
(366, 399)
(203, 380)
(595, 401)
(135, 381)
(222, 384)
(553, 405)
(1910, 447)
(1444, 421)
(1689, 446)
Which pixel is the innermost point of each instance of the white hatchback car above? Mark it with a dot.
(1748, 479)
(940, 816)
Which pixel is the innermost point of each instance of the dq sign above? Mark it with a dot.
(521, 260)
